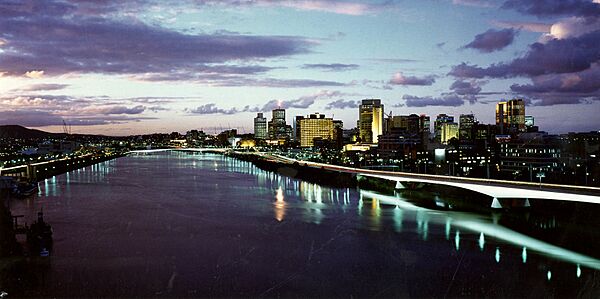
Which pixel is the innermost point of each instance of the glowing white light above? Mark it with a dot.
(524, 255)
(549, 275)
(497, 255)
(457, 240)
(481, 241)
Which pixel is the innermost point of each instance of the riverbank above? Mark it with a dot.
(303, 172)
(42, 170)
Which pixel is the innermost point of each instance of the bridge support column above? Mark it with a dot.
(399, 186)
(496, 204)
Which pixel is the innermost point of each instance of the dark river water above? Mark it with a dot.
(181, 224)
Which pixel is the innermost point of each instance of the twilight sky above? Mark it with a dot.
(144, 66)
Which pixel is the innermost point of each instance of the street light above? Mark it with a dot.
(540, 175)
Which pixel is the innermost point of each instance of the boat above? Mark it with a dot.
(39, 237)
(25, 189)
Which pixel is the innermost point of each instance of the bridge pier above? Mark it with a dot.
(510, 203)
(496, 204)
(399, 186)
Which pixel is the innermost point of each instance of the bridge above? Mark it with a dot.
(496, 189)
(183, 149)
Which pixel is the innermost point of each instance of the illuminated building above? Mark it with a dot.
(437, 127)
(260, 127)
(315, 126)
(370, 120)
(277, 127)
(448, 131)
(510, 116)
(466, 123)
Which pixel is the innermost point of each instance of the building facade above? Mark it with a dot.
(260, 127)
(277, 127)
(510, 116)
(370, 120)
(440, 120)
(313, 127)
(448, 131)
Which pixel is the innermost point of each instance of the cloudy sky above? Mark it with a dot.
(143, 66)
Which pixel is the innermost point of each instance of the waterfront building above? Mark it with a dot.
(260, 126)
(530, 154)
(510, 116)
(315, 126)
(370, 120)
(440, 120)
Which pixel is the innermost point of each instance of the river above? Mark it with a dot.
(182, 224)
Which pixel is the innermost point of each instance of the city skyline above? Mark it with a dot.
(153, 66)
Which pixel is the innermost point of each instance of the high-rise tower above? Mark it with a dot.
(370, 120)
(510, 116)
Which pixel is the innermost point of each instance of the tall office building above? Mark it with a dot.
(424, 128)
(260, 126)
(448, 131)
(440, 120)
(370, 120)
(315, 126)
(466, 123)
(510, 116)
(277, 127)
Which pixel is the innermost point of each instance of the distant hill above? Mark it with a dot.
(14, 131)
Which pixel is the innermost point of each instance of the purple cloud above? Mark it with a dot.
(569, 88)
(492, 40)
(120, 110)
(59, 43)
(332, 67)
(42, 87)
(211, 109)
(527, 26)
(556, 56)
(342, 104)
(451, 100)
(543, 8)
(400, 79)
(37, 118)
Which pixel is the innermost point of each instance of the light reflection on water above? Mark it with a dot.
(181, 193)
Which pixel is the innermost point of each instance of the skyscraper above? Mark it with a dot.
(260, 126)
(448, 131)
(277, 127)
(440, 120)
(315, 126)
(510, 116)
(466, 123)
(370, 120)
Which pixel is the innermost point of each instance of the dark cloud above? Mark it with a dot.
(211, 109)
(121, 110)
(452, 100)
(570, 88)
(37, 118)
(278, 83)
(475, 3)
(41, 87)
(543, 8)
(393, 60)
(492, 40)
(332, 67)
(400, 79)
(301, 102)
(67, 41)
(342, 104)
(556, 56)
